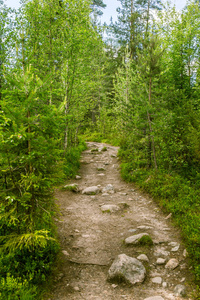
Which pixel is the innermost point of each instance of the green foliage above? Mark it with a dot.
(145, 241)
(104, 149)
(14, 289)
(71, 162)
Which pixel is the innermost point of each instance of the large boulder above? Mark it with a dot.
(127, 269)
(92, 190)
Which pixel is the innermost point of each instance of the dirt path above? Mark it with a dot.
(91, 239)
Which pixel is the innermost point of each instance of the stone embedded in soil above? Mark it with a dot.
(109, 208)
(135, 239)
(92, 190)
(161, 261)
(172, 264)
(143, 257)
(72, 187)
(65, 253)
(185, 253)
(78, 177)
(101, 174)
(180, 290)
(157, 280)
(108, 189)
(128, 269)
(154, 298)
(143, 227)
(175, 249)
(100, 168)
(161, 252)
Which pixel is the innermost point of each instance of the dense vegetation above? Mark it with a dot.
(60, 82)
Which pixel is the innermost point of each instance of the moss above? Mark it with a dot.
(146, 240)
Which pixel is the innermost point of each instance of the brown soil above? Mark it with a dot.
(91, 239)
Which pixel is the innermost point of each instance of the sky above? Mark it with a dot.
(109, 11)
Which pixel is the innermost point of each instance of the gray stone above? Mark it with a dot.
(180, 290)
(100, 168)
(127, 269)
(101, 174)
(72, 187)
(161, 252)
(109, 208)
(78, 177)
(108, 189)
(132, 230)
(185, 253)
(172, 264)
(143, 227)
(143, 257)
(157, 280)
(161, 261)
(105, 194)
(164, 284)
(173, 244)
(154, 298)
(92, 190)
(135, 239)
(65, 252)
(175, 249)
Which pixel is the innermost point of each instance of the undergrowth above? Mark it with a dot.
(28, 249)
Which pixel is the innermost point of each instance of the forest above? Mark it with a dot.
(65, 78)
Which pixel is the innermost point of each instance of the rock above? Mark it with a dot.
(65, 252)
(143, 257)
(143, 227)
(173, 244)
(101, 174)
(132, 230)
(108, 189)
(175, 249)
(161, 261)
(100, 168)
(105, 194)
(137, 239)
(157, 280)
(123, 194)
(109, 208)
(185, 253)
(71, 187)
(164, 284)
(172, 264)
(169, 216)
(127, 269)
(92, 190)
(154, 298)
(161, 252)
(78, 177)
(180, 290)
(76, 288)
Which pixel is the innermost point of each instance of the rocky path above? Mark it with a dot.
(95, 229)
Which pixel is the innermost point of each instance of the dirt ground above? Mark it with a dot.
(91, 240)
